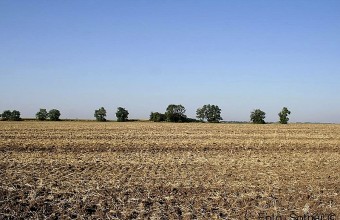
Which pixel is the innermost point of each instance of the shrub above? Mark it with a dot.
(157, 117)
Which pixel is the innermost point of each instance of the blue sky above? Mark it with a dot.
(77, 56)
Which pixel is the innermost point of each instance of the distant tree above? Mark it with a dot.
(200, 113)
(211, 113)
(157, 117)
(257, 116)
(54, 115)
(10, 115)
(175, 113)
(100, 114)
(15, 115)
(41, 114)
(284, 115)
(122, 114)
(6, 115)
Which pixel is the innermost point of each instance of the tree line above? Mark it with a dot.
(212, 114)
(173, 113)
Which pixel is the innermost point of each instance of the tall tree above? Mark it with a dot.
(122, 114)
(257, 116)
(211, 113)
(100, 114)
(283, 115)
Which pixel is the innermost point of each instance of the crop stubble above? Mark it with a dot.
(142, 170)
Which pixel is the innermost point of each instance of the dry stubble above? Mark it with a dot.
(90, 170)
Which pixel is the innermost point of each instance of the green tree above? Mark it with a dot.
(41, 114)
(284, 115)
(175, 113)
(157, 117)
(10, 115)
(54, 115)
(211, 113)
(100, 114)
(257, 116)
(6, 115)
(15, 116)
(122, 114)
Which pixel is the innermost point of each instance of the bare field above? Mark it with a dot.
(144, 170)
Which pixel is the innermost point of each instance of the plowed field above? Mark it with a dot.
(145, 170)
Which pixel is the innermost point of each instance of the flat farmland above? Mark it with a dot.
(145, 170)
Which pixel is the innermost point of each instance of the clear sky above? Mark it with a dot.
(77, 56)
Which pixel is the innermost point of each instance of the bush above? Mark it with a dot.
(191, 120)
(157, 117)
